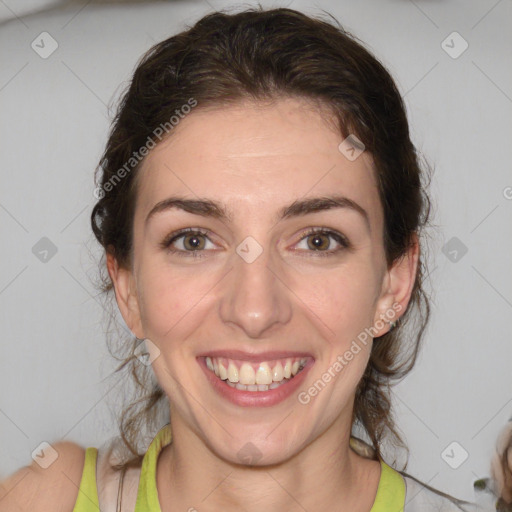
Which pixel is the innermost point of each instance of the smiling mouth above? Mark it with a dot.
(263, 376)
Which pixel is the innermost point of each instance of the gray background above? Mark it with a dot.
(54, 123)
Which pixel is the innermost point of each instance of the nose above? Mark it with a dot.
(254, 296)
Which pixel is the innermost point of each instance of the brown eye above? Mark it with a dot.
(318, 242)
(187, 242)
(193, 242)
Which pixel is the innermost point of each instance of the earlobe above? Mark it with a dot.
(398, 286)
(126, 295)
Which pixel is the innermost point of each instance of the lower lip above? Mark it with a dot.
(255, 398)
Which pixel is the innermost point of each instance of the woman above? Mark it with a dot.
(261, 208)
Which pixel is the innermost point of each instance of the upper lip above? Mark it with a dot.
(256, 357)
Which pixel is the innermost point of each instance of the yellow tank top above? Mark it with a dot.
(390, 492)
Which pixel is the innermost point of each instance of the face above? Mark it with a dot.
(259, 285)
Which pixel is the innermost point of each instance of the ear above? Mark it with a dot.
(397, 287)
(126, 295)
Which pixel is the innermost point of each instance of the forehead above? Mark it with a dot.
(255, 158)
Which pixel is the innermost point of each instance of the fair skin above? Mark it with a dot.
(255, 159)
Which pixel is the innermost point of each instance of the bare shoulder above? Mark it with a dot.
(35, 488)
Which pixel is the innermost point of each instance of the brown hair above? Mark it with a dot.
(262, 55)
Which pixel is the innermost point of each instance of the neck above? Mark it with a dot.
(326, 474)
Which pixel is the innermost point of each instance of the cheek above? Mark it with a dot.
(339, 300)
(342, 299)
(170, 299)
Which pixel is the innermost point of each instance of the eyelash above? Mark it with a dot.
(167, 242)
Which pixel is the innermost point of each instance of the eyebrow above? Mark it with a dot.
(214, 209)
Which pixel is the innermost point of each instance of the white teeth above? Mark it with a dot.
(257, 387)
(287, 371)
(263, 375)
(232, 373)
(247, 379)
(277, 372)
(223, 374)
(247, 375)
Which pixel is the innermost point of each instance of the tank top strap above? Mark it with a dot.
(390, 492)
(87, 499)
(147, 496)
